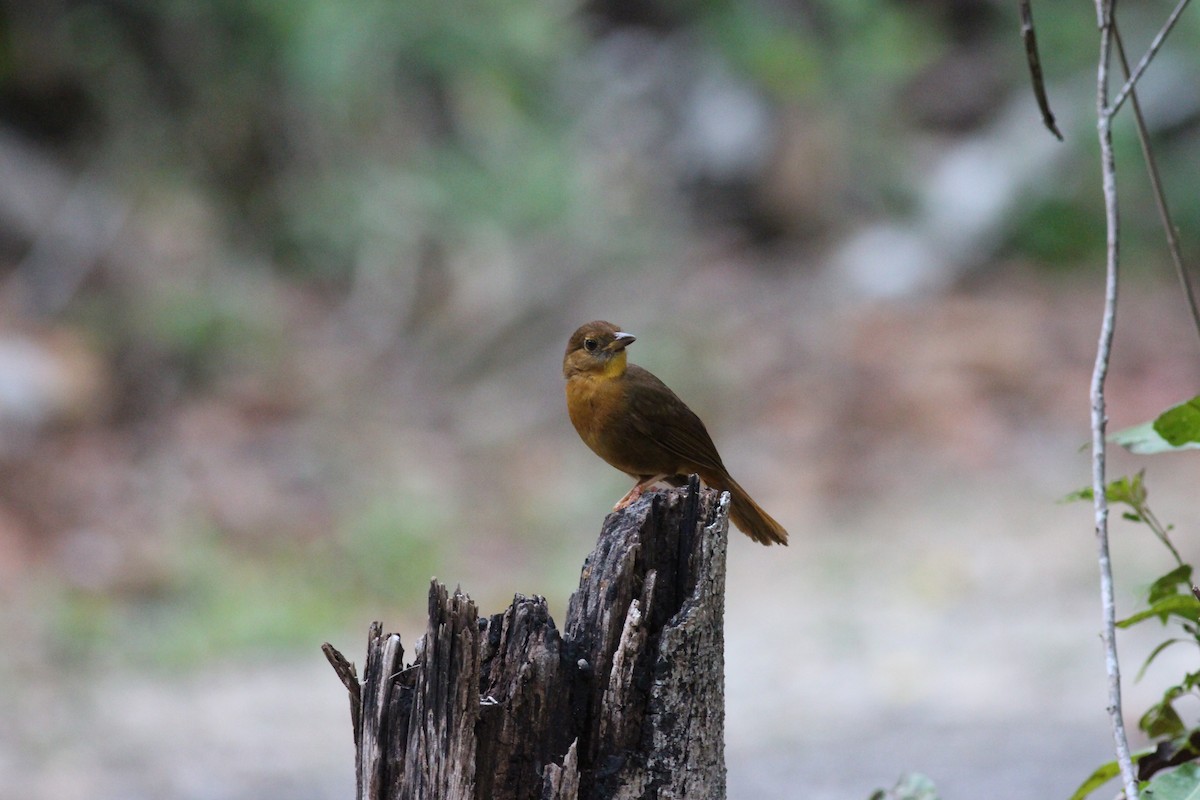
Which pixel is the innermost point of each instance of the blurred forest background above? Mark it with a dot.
(284, 288)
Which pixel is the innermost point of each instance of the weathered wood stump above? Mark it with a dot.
(628, 701)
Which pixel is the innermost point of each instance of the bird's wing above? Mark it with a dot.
(666, 420)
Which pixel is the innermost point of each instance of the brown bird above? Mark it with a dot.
(638, 425)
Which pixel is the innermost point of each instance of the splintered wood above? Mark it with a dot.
(626, 703)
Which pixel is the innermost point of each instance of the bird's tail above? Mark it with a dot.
(746, 514)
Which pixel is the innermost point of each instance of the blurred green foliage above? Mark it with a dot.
(1060, 231)
(391, 549)
(321, 126)
(204, 333)
(303, 115)
(217, 599)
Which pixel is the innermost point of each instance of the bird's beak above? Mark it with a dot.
(621, 340)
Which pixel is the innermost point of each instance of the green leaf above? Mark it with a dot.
(1177, 428)
(1154, 653)
(1106, 772)
(1103, 774)
(1168, 585)
(1141, 440)
(1162, 719)
(1128, 490)
(1180, 605)
(1180, 425)
(1079, 495)
(1180, 784)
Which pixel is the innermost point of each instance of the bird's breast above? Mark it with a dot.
(595, 404)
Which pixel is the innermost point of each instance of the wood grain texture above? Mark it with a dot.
(626, 702)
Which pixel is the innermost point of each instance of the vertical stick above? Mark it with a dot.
(1105, 11)
(1160, 196)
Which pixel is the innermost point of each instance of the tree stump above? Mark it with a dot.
(627, 702)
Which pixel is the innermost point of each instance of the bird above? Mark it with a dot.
(632, 420)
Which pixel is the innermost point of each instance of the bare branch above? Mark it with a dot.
(1133, 78)
(1160, 198)
(1029, 37)
(349, 677)
(1105, 10)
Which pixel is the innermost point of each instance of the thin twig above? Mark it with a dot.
(1133, 78)
(349, 677)
(1029, 37)
(1160, 198)
(1105, 11)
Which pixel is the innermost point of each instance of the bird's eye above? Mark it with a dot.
(590, 345)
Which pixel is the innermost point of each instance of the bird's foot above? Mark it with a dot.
(630, 497)
(633, 494)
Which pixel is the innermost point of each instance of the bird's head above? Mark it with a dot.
(597, 348)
